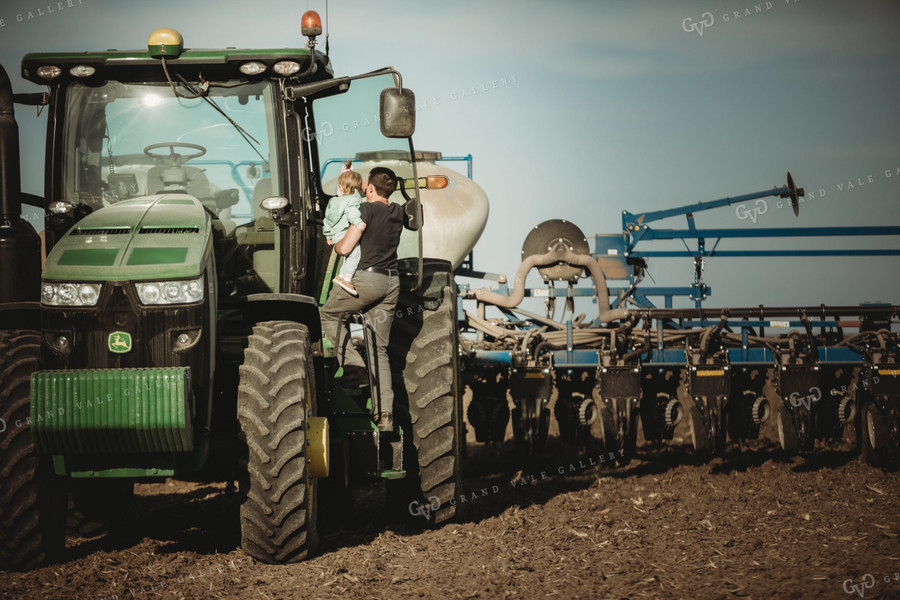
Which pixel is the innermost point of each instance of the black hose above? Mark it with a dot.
(10, 182)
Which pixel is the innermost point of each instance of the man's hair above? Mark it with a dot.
(384, 180)
(351, 181)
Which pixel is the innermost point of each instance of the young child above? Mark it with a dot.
(341, 213)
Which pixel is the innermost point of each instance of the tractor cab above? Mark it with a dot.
(228, 128)
(185, 195)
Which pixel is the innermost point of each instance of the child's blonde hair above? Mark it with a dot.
(350, 182)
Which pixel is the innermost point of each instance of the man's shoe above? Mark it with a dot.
(354, 377)
(385, 422)
(345, 283)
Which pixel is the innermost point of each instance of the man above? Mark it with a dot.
(376, 281)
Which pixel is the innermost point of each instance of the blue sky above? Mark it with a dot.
(606, 106)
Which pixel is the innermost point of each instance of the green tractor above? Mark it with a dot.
(173, 329)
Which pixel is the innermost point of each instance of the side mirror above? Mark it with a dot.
(398, 112)
(411, 208)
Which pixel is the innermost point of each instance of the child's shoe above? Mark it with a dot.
(346, 284)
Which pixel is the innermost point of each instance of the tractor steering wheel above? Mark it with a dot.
(177, 159)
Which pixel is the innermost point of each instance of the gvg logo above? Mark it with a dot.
(706, 20)
(815, 394)
(327, 130)
(417, 509)
(760, 207)
(868, 582)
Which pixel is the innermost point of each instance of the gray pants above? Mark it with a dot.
(377, 300)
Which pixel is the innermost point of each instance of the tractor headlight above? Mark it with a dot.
(57, 293)
(183, 291)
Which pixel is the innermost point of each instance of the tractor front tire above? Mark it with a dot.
(276, 397)
(32, 498)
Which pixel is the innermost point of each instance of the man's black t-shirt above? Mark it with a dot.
(378, 245)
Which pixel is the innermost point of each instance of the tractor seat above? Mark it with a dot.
(258, 237)
(122, 186)
(261, 231)
(197, 182)
(258, 233)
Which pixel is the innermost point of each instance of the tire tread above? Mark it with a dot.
(278, 512)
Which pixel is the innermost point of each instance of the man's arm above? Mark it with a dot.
(350, 239)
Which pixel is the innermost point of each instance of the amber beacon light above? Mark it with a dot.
(310, 24)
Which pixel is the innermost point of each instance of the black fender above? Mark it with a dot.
(20, 315)
(288, 307)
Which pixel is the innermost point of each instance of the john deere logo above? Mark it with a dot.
(119, 342)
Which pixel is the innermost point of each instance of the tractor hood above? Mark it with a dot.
(155, 237)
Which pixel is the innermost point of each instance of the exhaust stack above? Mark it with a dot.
(20, 245)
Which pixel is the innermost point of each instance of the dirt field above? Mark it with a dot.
(752, 524)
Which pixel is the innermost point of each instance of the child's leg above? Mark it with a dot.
(348, 267)
(351, 261)
(335, 239)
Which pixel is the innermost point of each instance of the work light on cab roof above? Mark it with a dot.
(166, 43)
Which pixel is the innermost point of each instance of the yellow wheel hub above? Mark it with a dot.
(317, 448)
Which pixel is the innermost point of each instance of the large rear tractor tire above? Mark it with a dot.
(276, 397)
(32, 498)
(427, 400)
